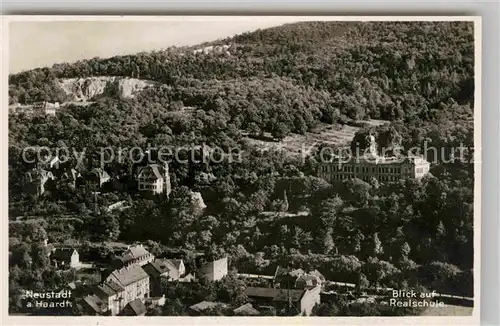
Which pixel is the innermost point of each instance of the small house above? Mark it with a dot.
(134, 308)
(65, 258)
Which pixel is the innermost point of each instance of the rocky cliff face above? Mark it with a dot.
(86, 89)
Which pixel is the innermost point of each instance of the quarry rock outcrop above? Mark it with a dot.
(87, 89)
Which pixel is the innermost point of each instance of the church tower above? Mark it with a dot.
(372, 149)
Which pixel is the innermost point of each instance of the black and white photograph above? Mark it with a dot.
(243, 166)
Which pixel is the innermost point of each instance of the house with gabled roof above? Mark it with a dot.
(134, 308)
(71, 177)
(98, 176)
(169, 269)
(123, 286)
(65, 258)
(112, 295)
(246, 310)
(201, 307)
(134, 255)
(95, 306)
(307, 280)
(154, 179)
(37, 180)
(290, 302)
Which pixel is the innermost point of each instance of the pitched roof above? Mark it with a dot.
(275, 294)
(246, 309)
(63, 254)
(176, 262)
(109, 288)
(100, 173)
(297, 272)
(72, 175)
(128, 275)
(307, 279)
(317, 274)
(39, 174)
(71, 285)
(188, 278)
(95, 303)
(156, 268)
(204, 305)
(153, 170)
(133, 253)
(137, 307)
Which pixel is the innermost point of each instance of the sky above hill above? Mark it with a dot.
(35, 44)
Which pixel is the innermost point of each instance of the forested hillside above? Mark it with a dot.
(382, 70)
(279, 81)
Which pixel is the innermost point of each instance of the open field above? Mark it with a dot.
(331, 135)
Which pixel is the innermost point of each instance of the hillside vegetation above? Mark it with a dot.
(282, 83)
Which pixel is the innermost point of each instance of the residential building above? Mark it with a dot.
(50, 163)
(169, 269)
(318, 275)
(286, 277)
(297, 278)
(111, 297)
(65, 258)
(371, 165)
(124, 183)
(306, 281)
(176, 268)
(201, 307)
(187, 278)
(290, 302)
(46, 107)
(154, 179)
(125, 285)
(95, 306)
(71, 177)
(215, 270)
(134, 255)
(157, 272)
(246, 310)
(134, 308)
(17, 108)
(37, 181)
(152, 302)
(98, 176)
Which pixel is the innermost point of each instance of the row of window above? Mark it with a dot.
(360, 169)
(148, 179)
(420, 170)
(150, 187)
(364, 177)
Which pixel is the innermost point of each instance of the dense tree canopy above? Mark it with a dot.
(268, 207)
